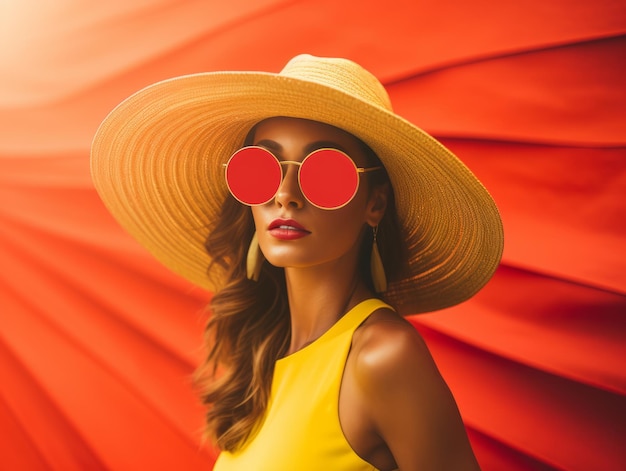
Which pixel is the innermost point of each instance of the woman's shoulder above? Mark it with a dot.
(404, 397)
(390, 361)
(387, 343)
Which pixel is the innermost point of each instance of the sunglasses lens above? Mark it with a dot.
(253, 175)
(328, 178)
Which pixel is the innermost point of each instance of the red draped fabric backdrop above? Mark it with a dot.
(98, 342)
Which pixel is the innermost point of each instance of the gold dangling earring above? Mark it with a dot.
(376, 266)
(254, 262)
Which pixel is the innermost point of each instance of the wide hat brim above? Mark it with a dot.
(156, 162)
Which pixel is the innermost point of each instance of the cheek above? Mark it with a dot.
(256, 216)
(343, 226)
(262, 218)
(346, 222)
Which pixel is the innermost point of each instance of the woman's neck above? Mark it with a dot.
(319, 299)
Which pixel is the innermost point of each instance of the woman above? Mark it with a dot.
(321, 216)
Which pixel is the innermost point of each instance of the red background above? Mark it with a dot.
(98, 341)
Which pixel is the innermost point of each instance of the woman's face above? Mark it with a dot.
(291, 231)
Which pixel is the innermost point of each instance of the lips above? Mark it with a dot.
(287, 229)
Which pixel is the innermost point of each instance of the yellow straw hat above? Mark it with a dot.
(156, 161)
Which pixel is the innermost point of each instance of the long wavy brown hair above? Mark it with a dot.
(249, 327)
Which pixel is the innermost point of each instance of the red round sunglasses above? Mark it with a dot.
(328, 178)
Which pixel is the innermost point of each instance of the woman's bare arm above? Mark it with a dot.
(410, 404)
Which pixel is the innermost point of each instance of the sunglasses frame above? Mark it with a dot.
(281, 163)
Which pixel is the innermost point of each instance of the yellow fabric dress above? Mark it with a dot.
(301, 429)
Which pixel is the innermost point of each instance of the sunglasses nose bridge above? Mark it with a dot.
(289, 192)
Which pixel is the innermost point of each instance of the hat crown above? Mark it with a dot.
(340, 74)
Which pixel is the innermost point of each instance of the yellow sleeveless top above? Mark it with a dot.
(301, 429)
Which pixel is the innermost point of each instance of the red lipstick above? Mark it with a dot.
(287, 229)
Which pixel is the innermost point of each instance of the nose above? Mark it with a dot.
(289, 193)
